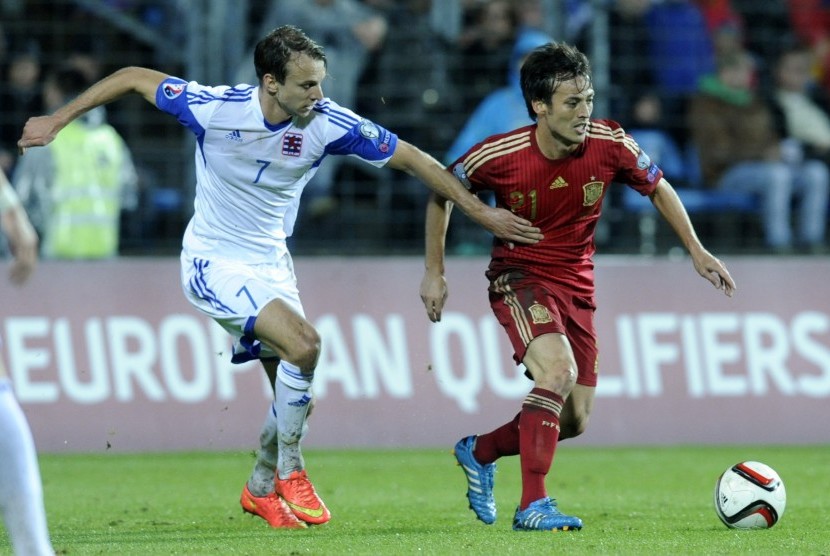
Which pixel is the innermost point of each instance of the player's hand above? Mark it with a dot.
(434, 294)
(38, 131)
(708, 266)
(510, 228)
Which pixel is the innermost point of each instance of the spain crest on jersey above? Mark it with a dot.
(592, 191)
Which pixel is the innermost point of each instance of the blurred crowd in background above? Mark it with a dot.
(728, 96)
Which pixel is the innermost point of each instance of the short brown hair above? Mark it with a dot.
(273, 52)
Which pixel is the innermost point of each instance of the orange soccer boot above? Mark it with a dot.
(271, 508)
(302, 499)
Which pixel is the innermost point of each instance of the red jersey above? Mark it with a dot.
(562, 197)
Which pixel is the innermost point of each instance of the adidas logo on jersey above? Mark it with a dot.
(558, 182)
(234, 136)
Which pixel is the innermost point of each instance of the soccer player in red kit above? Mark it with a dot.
(555, 173)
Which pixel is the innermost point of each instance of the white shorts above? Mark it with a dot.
(233, 294)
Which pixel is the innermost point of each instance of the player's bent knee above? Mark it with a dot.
(306, 351)
(560, 379)
(573, 427)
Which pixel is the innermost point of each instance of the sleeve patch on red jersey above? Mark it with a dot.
(461, 173)
(652, 173)
(643, 160)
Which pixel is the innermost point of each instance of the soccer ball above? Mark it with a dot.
(750, 495)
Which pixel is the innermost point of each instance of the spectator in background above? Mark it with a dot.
(503, 109)
(803, 106)
(484, 48)
(645, 126)
(85, 62)
(681, 49)
(726, 29)
(720, 13)
(350, 32)
(736, 139)
(766, 26)
(630, 64)
(634, 96)
(20, 98)
(76, 188)
(416, 96)
(811, 24)
(681, 52)
(579, 15)
(531, 14)
(633, 93)
(21, 490)
(727, 36)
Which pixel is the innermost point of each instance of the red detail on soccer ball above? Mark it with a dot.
(750, 495)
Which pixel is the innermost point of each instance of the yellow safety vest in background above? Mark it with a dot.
(86, 203)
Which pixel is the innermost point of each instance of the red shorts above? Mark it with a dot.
(528, 307)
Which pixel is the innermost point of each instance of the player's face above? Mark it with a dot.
(566, 116)
(302, 87)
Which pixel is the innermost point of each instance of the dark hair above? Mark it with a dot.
(546, 67)
(273, 52)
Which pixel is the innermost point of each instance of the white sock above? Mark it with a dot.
(293, 394)
(21, 492)
(261, 482)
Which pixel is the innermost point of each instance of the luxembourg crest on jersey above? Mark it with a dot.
(292, 144)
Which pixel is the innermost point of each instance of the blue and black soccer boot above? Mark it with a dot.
(543, 515)
(479, 480)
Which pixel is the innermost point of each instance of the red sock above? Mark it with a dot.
(538, 434)
(504, 441)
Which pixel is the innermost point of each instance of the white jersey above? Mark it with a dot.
(250, 173)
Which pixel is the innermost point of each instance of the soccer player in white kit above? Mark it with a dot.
(257, 148)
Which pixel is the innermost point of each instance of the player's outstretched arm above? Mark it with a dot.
(433, 284)
(667, 202)
(41, 130)
(19, 232)
(502, 223)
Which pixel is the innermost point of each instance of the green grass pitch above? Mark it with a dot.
(632, 500)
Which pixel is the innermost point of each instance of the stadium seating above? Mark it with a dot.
(726, 210)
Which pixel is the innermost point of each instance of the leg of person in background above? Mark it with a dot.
(21, 490)
(812, 185)
(772, 182)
